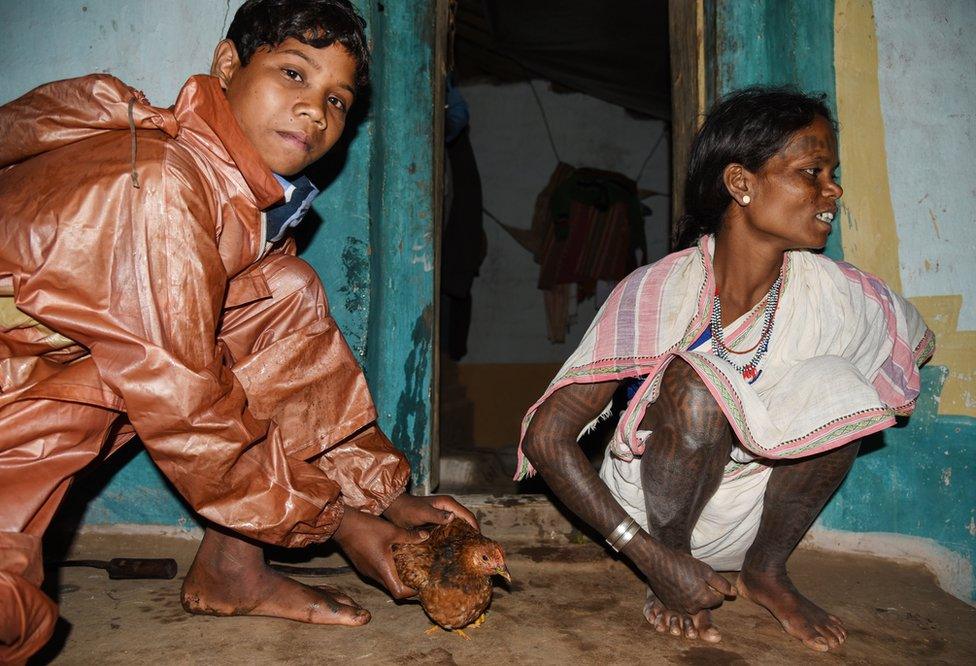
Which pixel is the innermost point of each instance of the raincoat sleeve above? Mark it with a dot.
(304, 378)
(141, 284)
(370, 470)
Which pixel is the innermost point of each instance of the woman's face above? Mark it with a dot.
(795, 198)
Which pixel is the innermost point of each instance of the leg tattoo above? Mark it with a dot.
(682, 466)
(680, 470)
(795, 495)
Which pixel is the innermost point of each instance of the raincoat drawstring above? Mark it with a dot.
(132, 131)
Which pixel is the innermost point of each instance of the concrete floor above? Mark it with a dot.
(568, 604)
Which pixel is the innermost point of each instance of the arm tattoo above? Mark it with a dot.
(550, 444)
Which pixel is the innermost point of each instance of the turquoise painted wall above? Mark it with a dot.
(400, 352)
(777, 42)
(373, 244)
(918, 478)
(377, 241)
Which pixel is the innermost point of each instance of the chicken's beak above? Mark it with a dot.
(503, 572)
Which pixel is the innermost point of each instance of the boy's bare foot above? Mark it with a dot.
(799, 616)
(694, 626)
(229, 576)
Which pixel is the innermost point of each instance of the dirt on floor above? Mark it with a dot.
(567, 604)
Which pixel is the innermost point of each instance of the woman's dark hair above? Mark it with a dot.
(318, 23)
(747, 127)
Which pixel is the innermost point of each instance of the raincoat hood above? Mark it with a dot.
(65, 112)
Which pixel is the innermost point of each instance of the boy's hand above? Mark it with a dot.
(410, 511)
(367, 539)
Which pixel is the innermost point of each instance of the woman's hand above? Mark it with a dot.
(410, 511)
(681, 582)
(367, 539)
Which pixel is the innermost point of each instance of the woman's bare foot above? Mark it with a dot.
(230, 577)
(799, 616)
(694, 626)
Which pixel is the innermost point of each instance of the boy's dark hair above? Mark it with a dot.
(747, 127)
(318, 23)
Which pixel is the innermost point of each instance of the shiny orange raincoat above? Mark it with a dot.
(138, 295)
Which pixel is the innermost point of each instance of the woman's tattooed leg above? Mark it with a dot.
(796, 493)
(685, 455)
(680, 470)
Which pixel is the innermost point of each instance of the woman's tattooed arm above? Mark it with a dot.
(550, 444)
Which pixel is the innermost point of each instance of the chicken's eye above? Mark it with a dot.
(484, 557)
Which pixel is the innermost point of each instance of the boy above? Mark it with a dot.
(145, 289)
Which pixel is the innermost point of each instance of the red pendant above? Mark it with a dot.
(749, 372)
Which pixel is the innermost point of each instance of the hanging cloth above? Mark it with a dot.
(587, 226)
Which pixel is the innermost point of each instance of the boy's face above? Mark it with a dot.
(290, 100)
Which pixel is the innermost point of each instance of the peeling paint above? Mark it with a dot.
(927, 99)
(412, 410)
(355, 261)
(935, 224)
(422, 255)
(923, 89)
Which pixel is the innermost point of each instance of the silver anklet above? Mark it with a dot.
(623, 533)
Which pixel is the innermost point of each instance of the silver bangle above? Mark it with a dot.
(623, 533)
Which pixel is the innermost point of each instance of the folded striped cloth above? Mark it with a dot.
(843, 357)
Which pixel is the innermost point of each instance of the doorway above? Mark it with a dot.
(579, 85)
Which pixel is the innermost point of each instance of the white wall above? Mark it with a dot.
(146, 44)
(927, 80)
(515, 160)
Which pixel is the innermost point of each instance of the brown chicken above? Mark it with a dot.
(452, 572)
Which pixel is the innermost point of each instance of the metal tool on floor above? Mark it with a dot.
(129, 568)
(136, 568)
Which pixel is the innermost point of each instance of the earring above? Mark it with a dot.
(746, 199)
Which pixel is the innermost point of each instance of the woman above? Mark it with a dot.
(753, 367)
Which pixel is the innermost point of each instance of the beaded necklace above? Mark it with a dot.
(719, 348)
